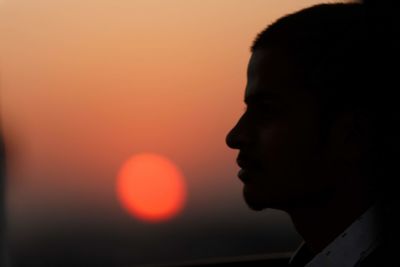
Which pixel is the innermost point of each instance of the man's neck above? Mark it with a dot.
(320, 224)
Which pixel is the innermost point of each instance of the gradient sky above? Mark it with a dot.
(88, 83)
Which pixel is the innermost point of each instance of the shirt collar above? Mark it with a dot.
(350, 247)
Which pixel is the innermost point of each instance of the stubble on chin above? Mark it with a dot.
(252, 202)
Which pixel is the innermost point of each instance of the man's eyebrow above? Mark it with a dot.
(261, 98)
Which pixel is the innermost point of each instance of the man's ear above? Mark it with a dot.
(350, 136)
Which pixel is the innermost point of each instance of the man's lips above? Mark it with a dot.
(246, 175)
(246, 169)
(245, 163)
(242, 164)
(242, 175)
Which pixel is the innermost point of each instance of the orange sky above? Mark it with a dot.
(88, 83)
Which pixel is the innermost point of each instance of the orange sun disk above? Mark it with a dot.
(151, 187)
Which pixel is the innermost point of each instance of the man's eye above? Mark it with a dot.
(259, 112)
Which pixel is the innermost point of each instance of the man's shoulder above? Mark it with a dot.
(383, 256)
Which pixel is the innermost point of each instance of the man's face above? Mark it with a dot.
(278, 137)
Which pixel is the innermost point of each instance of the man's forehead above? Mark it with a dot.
(259, 84)
(263, 58)
(270, 76)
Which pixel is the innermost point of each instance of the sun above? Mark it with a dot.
(151, 188)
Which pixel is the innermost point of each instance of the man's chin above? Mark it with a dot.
(259, 201)
(254, 206)
(253, 202)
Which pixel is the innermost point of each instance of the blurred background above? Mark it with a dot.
(86, 85)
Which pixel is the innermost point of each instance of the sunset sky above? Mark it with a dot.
(86, 84)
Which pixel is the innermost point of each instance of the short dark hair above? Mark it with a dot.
(342, 55)
(329, 44)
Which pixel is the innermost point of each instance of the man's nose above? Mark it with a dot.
(235, 138)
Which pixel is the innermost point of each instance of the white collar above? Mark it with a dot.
(353, 245)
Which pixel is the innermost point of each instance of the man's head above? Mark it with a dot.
(309, 127)
(278, 135)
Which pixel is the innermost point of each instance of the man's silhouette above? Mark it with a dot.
(318, 137)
